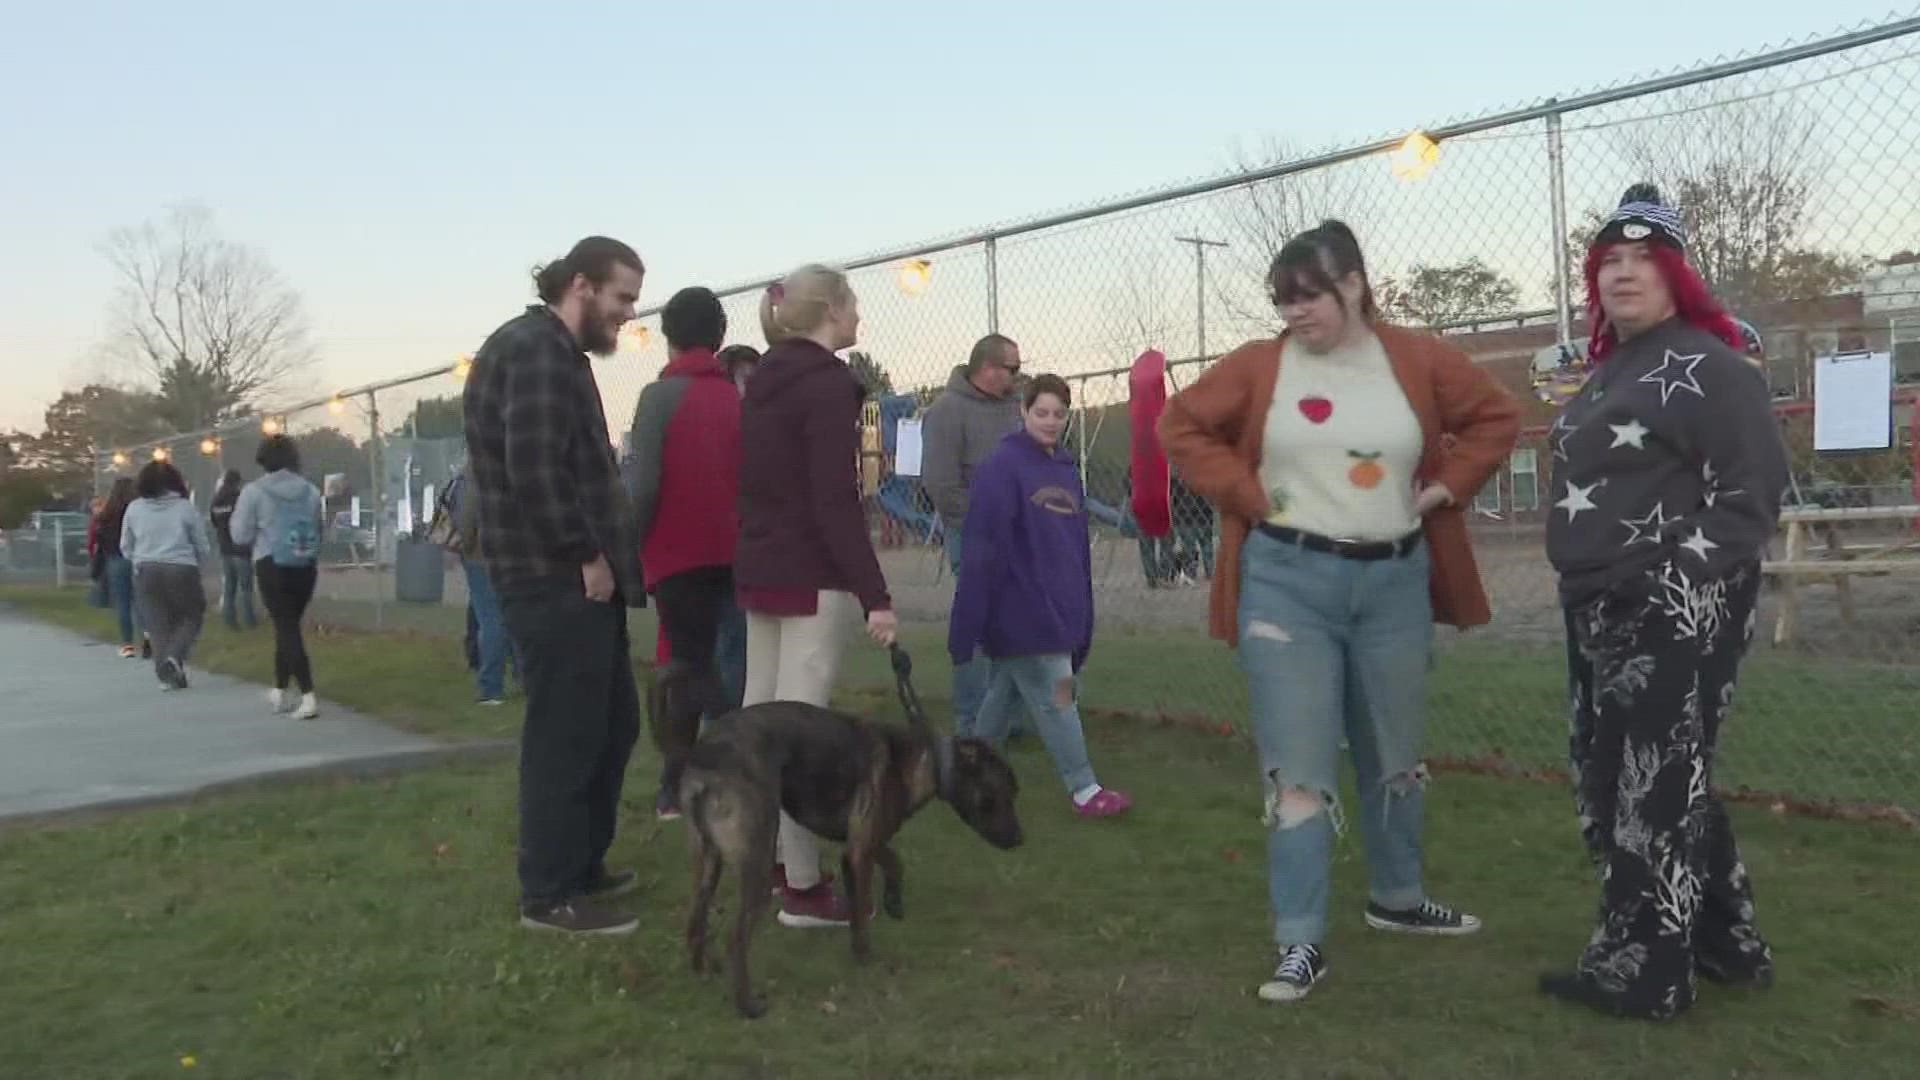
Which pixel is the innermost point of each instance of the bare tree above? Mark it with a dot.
(209, 321)
(1743, 176)
(1265, 215)
(1138, 304)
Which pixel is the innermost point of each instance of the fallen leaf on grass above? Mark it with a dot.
(630, 974)
(1231, 855)
(1882, 1006)
(442, 850)
(1003, 961)
(829, 1008)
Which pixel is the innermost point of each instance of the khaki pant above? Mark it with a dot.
(797, 659)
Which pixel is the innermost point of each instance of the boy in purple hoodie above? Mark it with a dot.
(1025, 592)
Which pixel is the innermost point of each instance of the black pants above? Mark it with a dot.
(583, 715)
(691, 605)
(286, 591)
(1653, 664)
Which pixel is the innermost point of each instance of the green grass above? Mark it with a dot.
(1817, 730)
(346, 929)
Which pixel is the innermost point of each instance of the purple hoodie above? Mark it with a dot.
(1026, 569)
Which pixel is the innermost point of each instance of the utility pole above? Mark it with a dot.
(1200, 246)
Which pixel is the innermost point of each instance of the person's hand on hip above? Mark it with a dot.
(597, 577)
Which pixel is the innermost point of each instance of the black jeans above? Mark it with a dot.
(692, 605)
(286, 591)
(583, 716)
(1653, 664)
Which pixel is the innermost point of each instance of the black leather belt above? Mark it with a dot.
(1363, 550)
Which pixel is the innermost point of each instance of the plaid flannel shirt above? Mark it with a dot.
(541, 469)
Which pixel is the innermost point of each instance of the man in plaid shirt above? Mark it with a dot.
(554, 529)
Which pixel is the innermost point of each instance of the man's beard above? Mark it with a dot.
(596, 338)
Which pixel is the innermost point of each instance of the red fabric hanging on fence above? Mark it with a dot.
(1146, 400)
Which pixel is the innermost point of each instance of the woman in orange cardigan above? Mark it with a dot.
(1343, 541)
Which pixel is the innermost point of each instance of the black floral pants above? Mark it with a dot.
(1652, 667)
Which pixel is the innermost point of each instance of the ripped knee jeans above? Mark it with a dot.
(1336, 650)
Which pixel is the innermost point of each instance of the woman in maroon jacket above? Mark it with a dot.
(805, 565)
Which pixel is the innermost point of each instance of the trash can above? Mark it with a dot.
(419, 572)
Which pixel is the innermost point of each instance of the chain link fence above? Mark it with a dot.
(1793, 169)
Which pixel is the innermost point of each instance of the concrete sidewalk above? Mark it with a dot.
(80, 727)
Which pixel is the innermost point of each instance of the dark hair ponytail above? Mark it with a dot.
(594, 257)
(1311, 264)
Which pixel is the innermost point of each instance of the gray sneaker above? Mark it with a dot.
(577, 917)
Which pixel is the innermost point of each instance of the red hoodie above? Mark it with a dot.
(686, 476)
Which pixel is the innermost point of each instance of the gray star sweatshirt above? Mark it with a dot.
(1670, 452)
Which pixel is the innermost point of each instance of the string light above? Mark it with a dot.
(160, 453)
(119, 459)
(915, 276)
(1416, 157)
(463, 367)
(337, 406)
(638, 333)
(269, 426)
(209, 446)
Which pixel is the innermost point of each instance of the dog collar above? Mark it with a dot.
(943, 766)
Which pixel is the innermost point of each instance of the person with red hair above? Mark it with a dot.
(1670, 468)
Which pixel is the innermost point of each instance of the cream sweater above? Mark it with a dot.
(1341, 445)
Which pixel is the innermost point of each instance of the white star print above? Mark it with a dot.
(1714, 491)
(1562, 431)
(1668, 381)
(1646, 530)
(1699, 544)
(1632, 433)
(1579, 498)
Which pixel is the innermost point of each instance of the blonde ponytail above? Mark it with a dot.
(798, 304)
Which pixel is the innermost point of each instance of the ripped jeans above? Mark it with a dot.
(1336, 647)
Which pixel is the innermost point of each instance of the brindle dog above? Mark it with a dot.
(844, 778)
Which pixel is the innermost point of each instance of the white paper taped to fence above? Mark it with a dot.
(1852, 401)
(906, 448)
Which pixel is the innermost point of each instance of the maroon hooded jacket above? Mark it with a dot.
(802, 526)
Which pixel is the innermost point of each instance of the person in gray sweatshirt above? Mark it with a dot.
(963, 427)
(1669, 466)
(278, 520)
(164, 538)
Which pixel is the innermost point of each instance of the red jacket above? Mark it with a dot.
(685, 479)
(803, 526)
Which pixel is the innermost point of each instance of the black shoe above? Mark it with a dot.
(146, 648)
(1582, 990)
(1429, 919)
(1742, 977)
(172, 674)
(605, 886)
(577, 917)
(1300, 968)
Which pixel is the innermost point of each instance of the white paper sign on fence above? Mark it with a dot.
(1852, 401)
(906, 448)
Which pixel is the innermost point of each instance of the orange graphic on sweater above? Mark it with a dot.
(1367, 472)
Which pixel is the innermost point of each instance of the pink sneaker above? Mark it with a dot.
(780, 879)
(1109, 803)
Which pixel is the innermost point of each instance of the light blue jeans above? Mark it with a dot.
(971, 679)
(1331, 647)
(1047, 686)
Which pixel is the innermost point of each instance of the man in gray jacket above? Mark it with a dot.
(963, 427)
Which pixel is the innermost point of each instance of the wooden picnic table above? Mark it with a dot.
(1836, 562)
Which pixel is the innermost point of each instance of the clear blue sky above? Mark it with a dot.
(404, 163)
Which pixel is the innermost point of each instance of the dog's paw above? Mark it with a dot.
(697, 962)
(752, 1007)
(894, 905)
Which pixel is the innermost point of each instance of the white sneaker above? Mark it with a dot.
(309, 707)
(277, 701)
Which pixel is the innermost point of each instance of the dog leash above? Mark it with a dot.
(903, 681)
